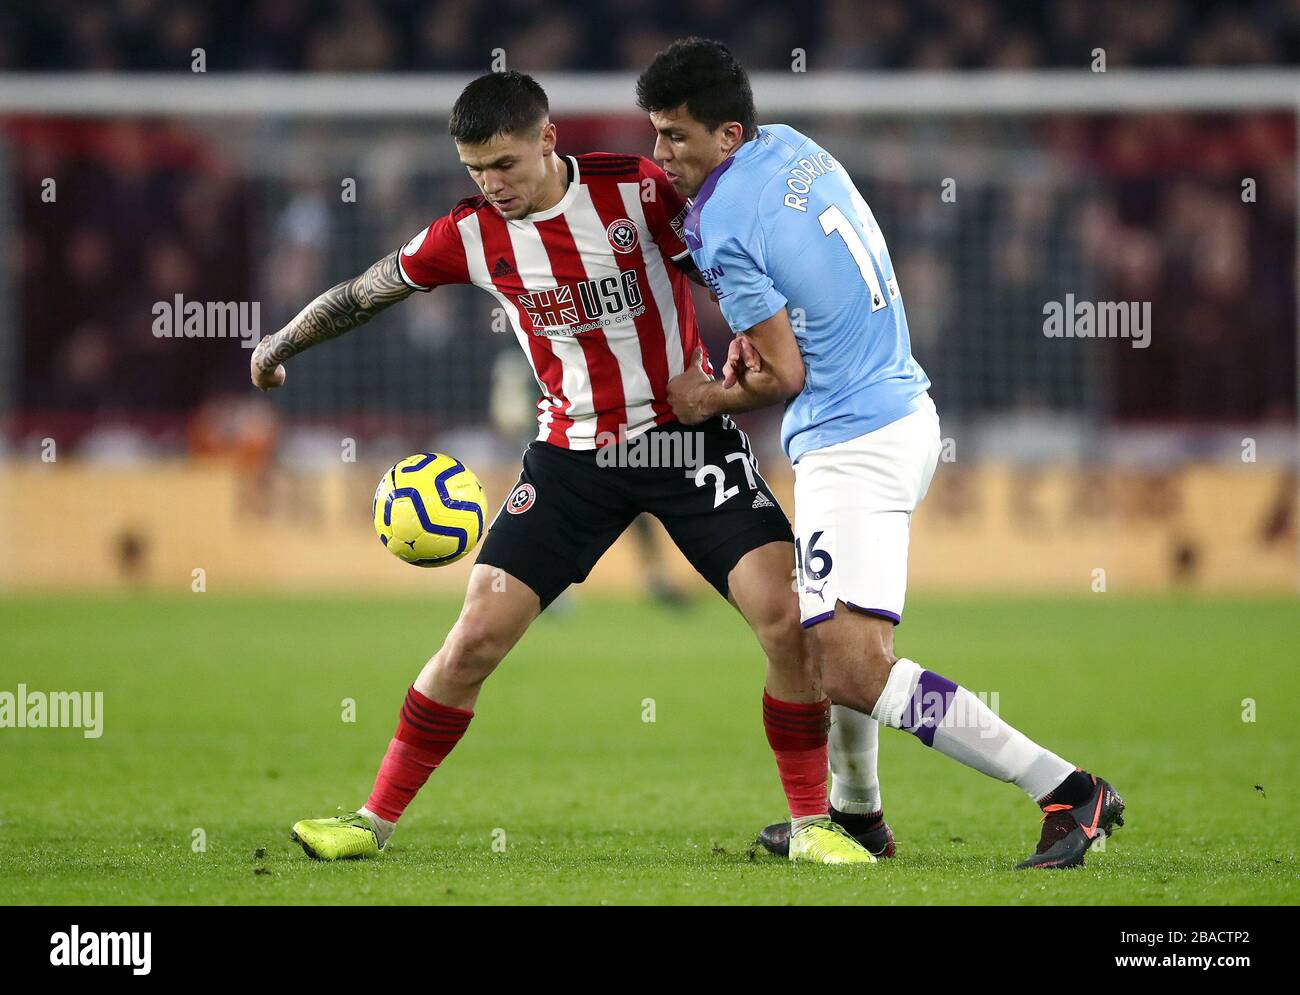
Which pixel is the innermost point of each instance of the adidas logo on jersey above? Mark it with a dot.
(502, 268)
(761, 500)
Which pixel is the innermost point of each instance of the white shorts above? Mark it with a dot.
(853, 505)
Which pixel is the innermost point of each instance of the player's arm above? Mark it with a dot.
(733, 252)
(770, 372)
(338, 310)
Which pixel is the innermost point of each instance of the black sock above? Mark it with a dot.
(1073, 791)
(857, 823)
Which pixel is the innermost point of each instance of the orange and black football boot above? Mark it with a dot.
(1069, 830)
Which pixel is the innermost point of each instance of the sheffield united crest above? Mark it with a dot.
(622, 235)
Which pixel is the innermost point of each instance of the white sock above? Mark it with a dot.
(854, 744)
(807, 820)
(959, 725)
(383, 828)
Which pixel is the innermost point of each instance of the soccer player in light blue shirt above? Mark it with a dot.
(778, 224)
(800, 269)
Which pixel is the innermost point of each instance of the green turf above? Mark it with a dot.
(225, 715)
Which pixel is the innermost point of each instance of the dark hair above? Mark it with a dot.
(703, 75)
(497, 104)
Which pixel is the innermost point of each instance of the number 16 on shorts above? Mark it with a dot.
(814, 562)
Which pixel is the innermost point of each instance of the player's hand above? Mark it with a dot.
(686, 391)
(741, 355)
(264, 379)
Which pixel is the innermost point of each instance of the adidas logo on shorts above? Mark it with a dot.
(761, 500)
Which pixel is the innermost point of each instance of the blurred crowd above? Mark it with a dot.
(409, 35)
(1195, 214)
(136, 214)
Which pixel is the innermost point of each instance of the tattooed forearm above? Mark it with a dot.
(338, 310)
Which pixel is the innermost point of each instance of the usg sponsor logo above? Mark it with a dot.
(102, 949)
(575, 308)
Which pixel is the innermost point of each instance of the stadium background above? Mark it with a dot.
(1066, 456)
(128, 461)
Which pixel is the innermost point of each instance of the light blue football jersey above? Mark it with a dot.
(781, 225)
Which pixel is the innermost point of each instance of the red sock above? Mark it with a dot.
(426, 733)
(797, 735)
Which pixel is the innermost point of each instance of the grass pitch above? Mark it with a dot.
(224, 723)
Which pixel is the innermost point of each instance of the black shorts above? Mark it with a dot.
(569, 505)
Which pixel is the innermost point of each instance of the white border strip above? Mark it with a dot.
(432, 94)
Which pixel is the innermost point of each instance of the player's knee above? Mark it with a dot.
(852, 674)
(779, 631)
(840, 682)
(876, 665)
(472, 651)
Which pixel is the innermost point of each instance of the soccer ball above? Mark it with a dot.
(429, 510)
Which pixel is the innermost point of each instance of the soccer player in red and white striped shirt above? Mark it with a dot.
(604, 317)
(585, 255)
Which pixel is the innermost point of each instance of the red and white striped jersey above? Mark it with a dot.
(591, 289)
